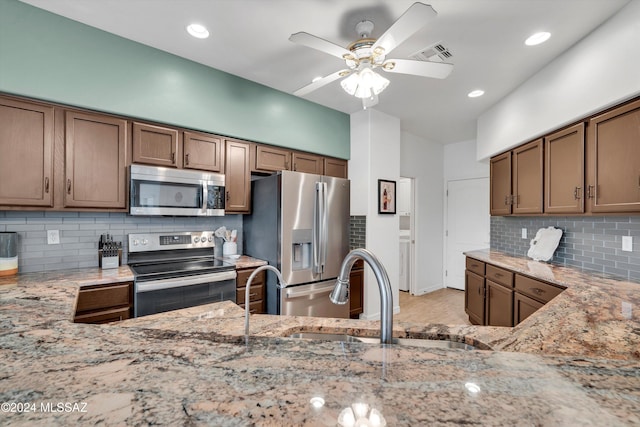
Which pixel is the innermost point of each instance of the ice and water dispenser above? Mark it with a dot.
(301, 251)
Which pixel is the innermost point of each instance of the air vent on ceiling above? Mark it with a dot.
(435, 53)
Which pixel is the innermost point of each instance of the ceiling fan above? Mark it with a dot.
(366, 54)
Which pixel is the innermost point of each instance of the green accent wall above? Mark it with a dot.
(49, 57)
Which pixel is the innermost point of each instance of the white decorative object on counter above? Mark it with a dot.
(229, 248)
(544, 244)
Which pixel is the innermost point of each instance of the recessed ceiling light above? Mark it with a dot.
(537, 38)
(315, 79)
(475, 93)
(198, 31)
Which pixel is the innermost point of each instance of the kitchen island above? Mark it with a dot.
(195, 367)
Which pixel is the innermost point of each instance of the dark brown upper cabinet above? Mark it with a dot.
(613, 159)
(203, 151)
(335, 167)
(527, 178)
(271, 159)
(305, 162)
(156, 145)
(500, 189)
(26, 153)
(564, 171)
(95, 161)
(237, 177)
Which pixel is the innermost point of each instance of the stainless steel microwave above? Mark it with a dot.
(175, 192)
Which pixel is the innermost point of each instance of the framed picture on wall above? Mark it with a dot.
(386, 197)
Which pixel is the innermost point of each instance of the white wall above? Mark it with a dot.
(375, 154)
(460, 162)
(599, 71)
(424, 160)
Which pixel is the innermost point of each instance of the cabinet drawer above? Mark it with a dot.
(255, 293)
(358, 265)
(243, 277)
(104, 297)
(536, 289)
(500, 276)
(475, 266)
(255, 307)
(106, 316)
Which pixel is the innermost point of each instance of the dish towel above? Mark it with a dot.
(544, 244)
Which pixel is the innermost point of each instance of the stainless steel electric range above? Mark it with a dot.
(177, 270)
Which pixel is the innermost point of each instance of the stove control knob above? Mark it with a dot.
(196, 239)
(144, 241)
(211, 238)
(135, 242)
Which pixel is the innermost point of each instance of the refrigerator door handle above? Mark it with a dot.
(316, 229)
(325, 228)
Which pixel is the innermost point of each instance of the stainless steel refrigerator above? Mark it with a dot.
(300, 224)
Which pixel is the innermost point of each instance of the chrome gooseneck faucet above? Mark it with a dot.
(340, 293)
(247, 296)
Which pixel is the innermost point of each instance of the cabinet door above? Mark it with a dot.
(474, 297)
(527, 178)
(356, 285)
(95, 161)
(202, 151)
(523, 307)
(500, 189)
(335, 167)
(564, 171)
(309, 163)
(499, 305)
(271, 159)
(26, 153)
(155, 145)
(237, 177)
(614, 160)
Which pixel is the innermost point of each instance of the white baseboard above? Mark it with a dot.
(429, 289)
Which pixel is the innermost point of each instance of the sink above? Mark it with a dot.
(375, 340)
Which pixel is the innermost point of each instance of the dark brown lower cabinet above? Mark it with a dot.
(474, 297)
(498, 305)
(104, 303)
(257, 300)
(356, 290)
(523, 307)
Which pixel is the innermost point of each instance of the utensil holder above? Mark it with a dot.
(229, 248)
(8, 253)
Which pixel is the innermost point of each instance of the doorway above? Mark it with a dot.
(406, 233)
(467, 225)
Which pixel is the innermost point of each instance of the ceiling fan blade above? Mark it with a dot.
(408, 24)
(436, 70)
(317, 43)
(321, 82)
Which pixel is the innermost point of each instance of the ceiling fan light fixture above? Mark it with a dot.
(198, 31)
(364, 84)
(537, 38)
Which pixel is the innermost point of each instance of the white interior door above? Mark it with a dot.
(468, 225)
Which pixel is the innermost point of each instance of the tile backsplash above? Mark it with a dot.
(80, 232)
(357, 232)
(589, 242)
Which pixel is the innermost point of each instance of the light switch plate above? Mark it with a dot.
(627, 243)
(53, 237)
(524, 233)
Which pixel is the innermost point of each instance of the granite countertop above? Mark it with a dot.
(243, 261)
(195, 367)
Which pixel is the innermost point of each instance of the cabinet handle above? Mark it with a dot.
(479, 290)
(498, 274)
(537, 291)
(186, 159)
(252, 295)
(591, 192)
(506, 200)
(295, 167)
(46, 184)
(286, 164)
(577, 193)
(68, 186)
(227, 196)
(173, 158)
(474, 265)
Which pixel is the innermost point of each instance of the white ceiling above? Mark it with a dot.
(249, 38)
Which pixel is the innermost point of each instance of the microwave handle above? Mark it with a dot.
(205, 197)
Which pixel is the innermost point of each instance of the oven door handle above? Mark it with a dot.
(179, 282)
